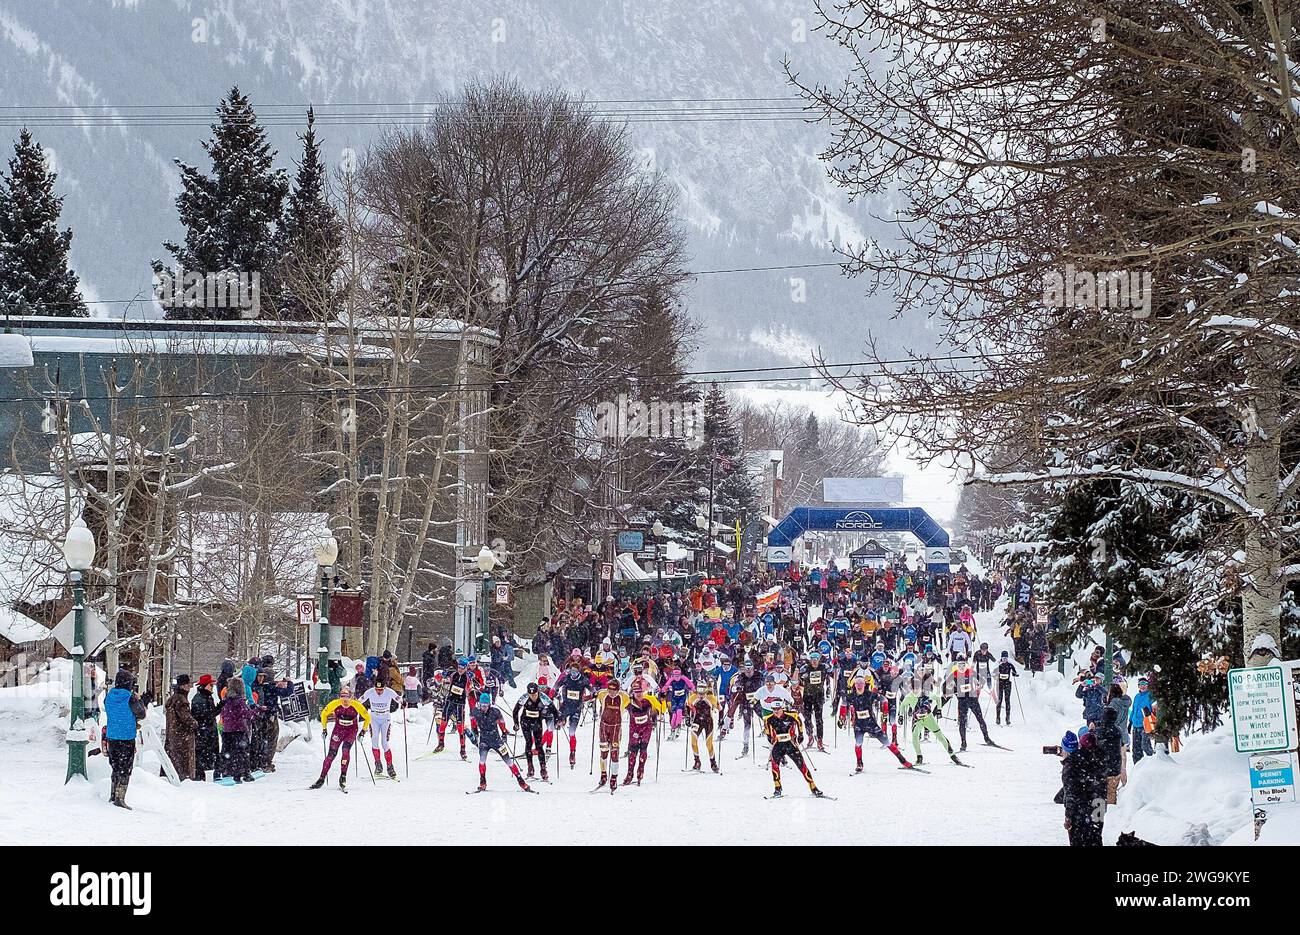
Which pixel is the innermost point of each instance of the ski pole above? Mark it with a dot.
(690, 738)
(368, 769)
(1018, 702)
(658, 734)
(406, 752)
(592, 770)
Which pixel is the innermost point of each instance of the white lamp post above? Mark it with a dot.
(327, 553)
(79, 553)
(486, 560)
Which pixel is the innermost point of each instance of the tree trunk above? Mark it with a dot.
(1262, 591)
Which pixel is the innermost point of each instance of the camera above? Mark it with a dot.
(1051, 751)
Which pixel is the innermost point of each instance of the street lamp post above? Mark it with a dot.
(327, 553)
(79, 553)
(593, 549)
(485, 561)
(658, 530)
(410, 636)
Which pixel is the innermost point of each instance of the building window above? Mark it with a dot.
(54, 416)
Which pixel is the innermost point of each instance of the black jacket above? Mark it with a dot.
(1083, 778)
(1110, 740)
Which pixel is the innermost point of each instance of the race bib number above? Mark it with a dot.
(782, 738)
(457, 690)
(572, 695)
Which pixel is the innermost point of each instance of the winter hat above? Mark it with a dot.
(182, 680)
(123, 679)
(485, 699)
(1070, 742)
(1004, 654)
(206, 679)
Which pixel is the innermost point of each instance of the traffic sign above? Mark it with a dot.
(1272, 778)
(670, 569)
(96, 633)
(1261, 717)
(306, 610)
(503, 592)
(606, 571)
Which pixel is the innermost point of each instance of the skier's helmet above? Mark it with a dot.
(532, 688)
(462, 662)
(485, 700)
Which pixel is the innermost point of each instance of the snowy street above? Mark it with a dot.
(1004, 799)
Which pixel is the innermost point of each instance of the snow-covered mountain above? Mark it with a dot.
(752, 190)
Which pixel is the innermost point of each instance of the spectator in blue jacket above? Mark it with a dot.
(1093, 694)
(1143, 706)
(123, 711)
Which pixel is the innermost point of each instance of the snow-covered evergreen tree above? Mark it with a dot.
(231, 215)
(734, 496)
(35, 278)
(310, 237)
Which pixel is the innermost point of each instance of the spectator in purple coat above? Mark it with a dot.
(236, 722)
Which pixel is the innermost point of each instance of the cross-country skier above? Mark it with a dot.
(703, 705)
(746, 687)
(490, 735)
(643, 709)
(536, 710)
(784, 730)
(918, 703)
(861, 699)
(813, 678)
(572, 695)
(380, 699)
(348, 715)
(677, 688)
(983, 663)
(1006, 672)
(453, 709)
(961, 682)
(610, 702)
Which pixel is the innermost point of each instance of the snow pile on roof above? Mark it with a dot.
(19, 628)
(15, 351)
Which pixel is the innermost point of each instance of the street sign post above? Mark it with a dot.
(306, 609)
(607, 571)
(503, 592)
(1261, 717)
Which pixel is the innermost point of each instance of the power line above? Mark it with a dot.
(708, 377)
(143, 299)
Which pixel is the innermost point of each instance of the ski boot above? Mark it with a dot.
(713, 764)
(523, 783)
(697, 765)
(379, 767)
(816, 792)
(999, 720)
(545, 778)
(820, 747)
(343, 783)
(627, 780)
(482, 783)
(603, 779)
(317, 784)
(441, 746)
(613, 782)
(777, 794)
(530, 769)
(953, 756)
(744, 751)
(859, 767)
(919, 759)
(963, 748)
(392, 771)
(463, 755)
(573, 759)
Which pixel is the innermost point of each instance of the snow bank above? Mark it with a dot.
(1200, 795)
